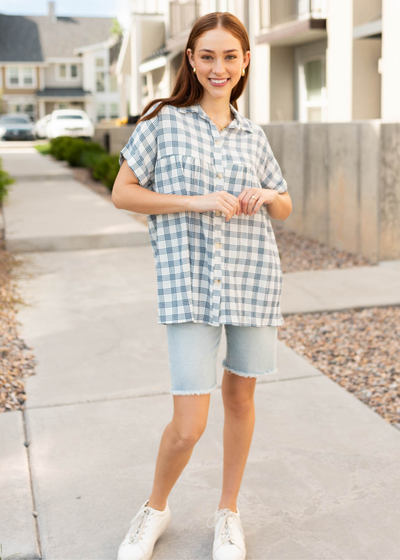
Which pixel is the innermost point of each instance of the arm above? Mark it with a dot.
(127, 194)
(281, 207)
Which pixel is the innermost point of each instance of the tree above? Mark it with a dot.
(116, 28)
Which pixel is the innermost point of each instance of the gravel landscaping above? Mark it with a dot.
(359, 349)
(16, 359)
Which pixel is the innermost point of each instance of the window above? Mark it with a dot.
(100, 81)
(101, 111)
(21, 77)
(313, 90)
(13, 76)
(113, 83)
(28, 76)
(68, 72)
(114, 112)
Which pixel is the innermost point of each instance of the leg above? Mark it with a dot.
(177, 444)
(238, 399)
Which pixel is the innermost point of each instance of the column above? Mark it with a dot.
(390, 60)
(339, 60)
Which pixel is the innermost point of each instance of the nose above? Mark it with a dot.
(219, 67)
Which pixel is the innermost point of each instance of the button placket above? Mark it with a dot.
(217, 230)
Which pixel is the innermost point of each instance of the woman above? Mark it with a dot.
(191, 161)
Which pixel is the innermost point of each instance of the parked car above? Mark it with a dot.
(16, 126)
(40, 127)
(70, 122)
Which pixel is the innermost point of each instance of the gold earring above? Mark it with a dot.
(243, 72)
(194, 70)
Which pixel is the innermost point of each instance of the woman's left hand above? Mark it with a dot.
(250, 205)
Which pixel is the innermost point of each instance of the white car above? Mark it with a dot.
(70, 122)
(41, 125)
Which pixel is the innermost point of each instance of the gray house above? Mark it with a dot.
(50, 62)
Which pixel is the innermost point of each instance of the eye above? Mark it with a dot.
(208, 56)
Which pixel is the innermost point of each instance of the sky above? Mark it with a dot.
(109, 8)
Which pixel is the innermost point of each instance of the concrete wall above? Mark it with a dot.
(119, 136)
(344, 181)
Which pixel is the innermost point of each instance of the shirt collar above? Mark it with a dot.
(239, 121)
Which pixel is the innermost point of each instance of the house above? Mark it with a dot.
(311, 60)
(51, 62)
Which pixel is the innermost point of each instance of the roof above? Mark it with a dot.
(36, 38)
(63, 92)
(19, 40)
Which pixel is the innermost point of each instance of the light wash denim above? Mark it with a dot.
(193, 349)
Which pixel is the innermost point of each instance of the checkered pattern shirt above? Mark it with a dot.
(209, 270)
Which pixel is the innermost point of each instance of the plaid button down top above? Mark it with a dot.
(209, 270)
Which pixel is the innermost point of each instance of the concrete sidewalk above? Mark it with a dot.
(47, 210)
(322, 478)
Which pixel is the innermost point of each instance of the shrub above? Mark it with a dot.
(78, 152)
(5, 181)
(73, 152)
(58, 146)
(72, 149)
(106, 169)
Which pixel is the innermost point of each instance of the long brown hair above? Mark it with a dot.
(188, 90)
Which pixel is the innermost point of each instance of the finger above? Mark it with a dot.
(226, 209)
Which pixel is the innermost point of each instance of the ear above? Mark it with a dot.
(190, 56)
(246, 59)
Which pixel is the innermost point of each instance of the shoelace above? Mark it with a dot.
(138, 524)
(229, 515)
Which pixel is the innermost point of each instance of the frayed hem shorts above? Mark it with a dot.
(193, 349)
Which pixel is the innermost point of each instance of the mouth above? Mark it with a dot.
(218, 83)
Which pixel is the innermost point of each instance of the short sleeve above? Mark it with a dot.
(141, 150)
(270, 173)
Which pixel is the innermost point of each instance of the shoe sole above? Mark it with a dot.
(215, 558)
(160, 532)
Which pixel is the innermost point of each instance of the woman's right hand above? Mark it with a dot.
(219, 200)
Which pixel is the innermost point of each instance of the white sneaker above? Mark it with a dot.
(228, 535)
(147, 525)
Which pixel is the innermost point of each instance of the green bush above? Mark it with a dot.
(73, 152)
(58, 146)
(5, 181)
(106, 169)
(78, 152)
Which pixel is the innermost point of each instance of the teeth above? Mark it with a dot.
(218, 81)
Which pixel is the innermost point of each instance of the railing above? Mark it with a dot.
(182, 15)
(276, 12)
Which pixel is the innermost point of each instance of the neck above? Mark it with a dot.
(217, 109)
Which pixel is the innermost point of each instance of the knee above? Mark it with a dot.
(186, 437)
(238, 402)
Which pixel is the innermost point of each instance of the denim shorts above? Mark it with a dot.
(193, 349)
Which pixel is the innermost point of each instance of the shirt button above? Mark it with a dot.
(218, 142)
(218, 212)
(218, 245)
(217, 281)
(220, 175)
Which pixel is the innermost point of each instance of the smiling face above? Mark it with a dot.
(218, 59)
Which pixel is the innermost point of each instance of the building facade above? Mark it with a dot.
(50, 62)
(311, 60)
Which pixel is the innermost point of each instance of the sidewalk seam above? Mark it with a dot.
(158, 393)
(27, 440)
